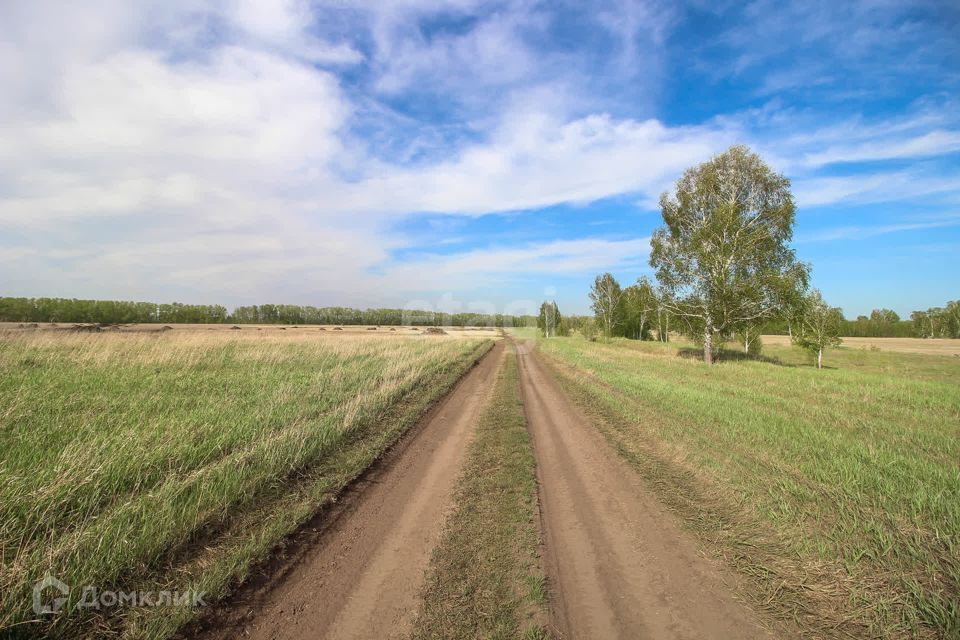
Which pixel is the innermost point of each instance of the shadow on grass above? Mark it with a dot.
(730, 355)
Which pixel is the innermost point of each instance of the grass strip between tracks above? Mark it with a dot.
(485, 579)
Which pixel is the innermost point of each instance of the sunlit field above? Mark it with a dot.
(836, 493)
(926, 346)
(172, 460)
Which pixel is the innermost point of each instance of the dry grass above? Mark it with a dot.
(927, 346)
(456, 332)
(174, 459)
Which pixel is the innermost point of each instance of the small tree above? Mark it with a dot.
(605, 300)
(818, 326)
(749, 337)
(723, 251)
(664, 302)
(639, 304)
(588, 328)
(549, 321)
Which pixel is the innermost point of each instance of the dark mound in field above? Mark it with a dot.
(166, 327)
(371, 328)
(322, 329)
(435, 331)
(234, 328)
(86, 328)
(338, 328)
(392, 329)
(32, 325)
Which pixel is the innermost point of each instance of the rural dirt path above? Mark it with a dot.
(618, 564)
(362, 575)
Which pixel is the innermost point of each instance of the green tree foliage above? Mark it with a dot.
(818, 326)
(549, 321)
(937, 322)
(605, 301)
(638, 309)
(588, 329)
(882, 323)
(664, 303)
(121, 312)
(749, 337)
(106, 311)
(723, 252)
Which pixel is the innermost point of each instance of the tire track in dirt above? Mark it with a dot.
(618, 564)
(363, 575)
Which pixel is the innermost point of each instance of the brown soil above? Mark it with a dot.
(359, 568)
(437, 331)
(618, 564)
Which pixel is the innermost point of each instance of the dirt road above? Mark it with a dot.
(618, 564)
(362, 577)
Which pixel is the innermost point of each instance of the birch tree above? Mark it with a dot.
(818, 326)
(549, 319)
(723, 251)
(664, 302)
(639, 303)
(605, 300)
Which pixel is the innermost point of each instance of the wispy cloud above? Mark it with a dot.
(870, 231)
(896, 186)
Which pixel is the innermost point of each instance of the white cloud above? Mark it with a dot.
(871, 188)
(534, 160)
(870, 231)
(497, 265)
(933, 143)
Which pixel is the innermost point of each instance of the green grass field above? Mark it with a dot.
(485, 578)
(836, 493)
(174, 460)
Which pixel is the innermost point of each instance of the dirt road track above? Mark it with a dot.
(619, 566)
(362, 578)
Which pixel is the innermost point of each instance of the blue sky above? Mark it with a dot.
(461, 155)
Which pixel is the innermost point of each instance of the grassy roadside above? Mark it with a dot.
(835, 493)
(485, 579)
(175, 462)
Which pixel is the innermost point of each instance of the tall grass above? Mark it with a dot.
(836, 489)
(118, 452)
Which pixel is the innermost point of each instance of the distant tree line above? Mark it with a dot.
(297, 314)
(123, 312)
(107, 311)
(937, 322)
